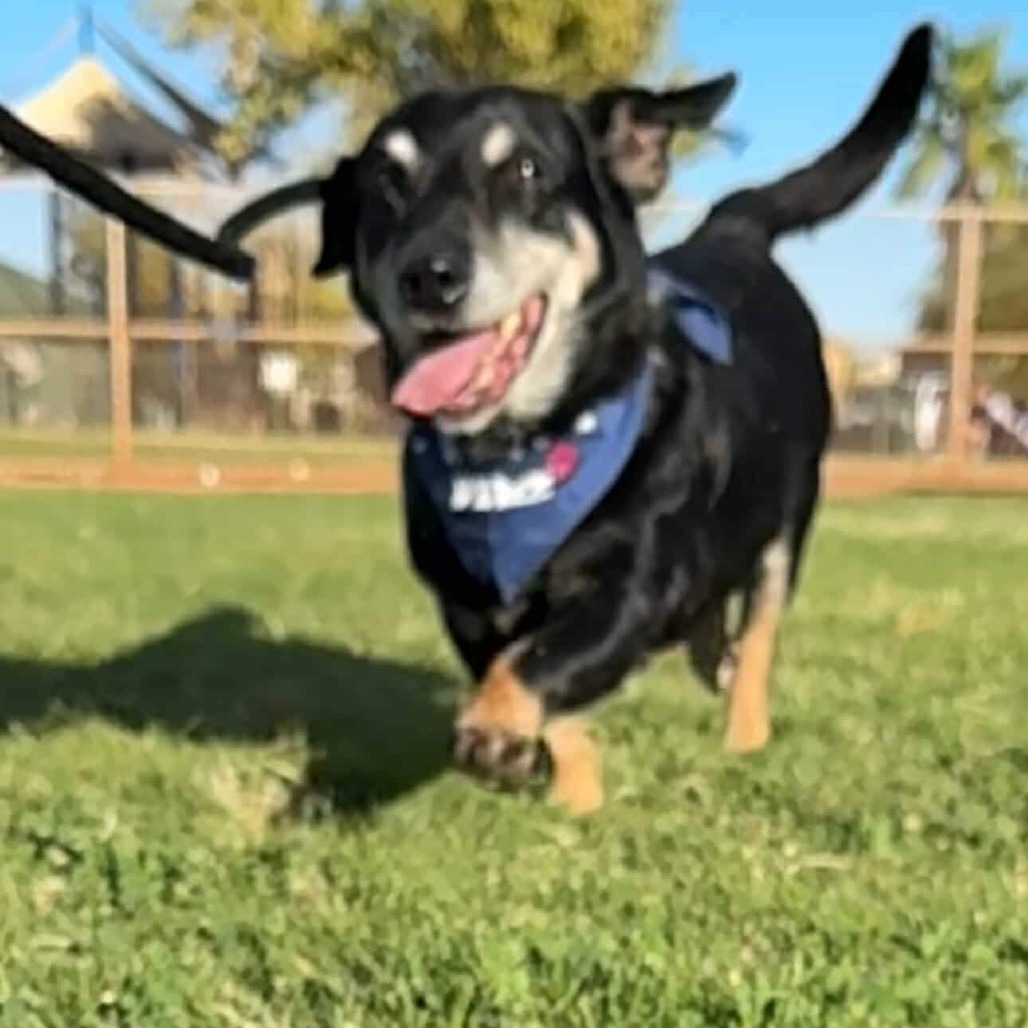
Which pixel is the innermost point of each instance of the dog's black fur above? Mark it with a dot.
(729, 461)
(718, 496)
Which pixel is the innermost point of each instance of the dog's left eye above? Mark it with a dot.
(523, 169)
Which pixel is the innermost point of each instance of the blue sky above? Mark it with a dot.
(807, 67)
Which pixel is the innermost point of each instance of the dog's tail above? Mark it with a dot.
(834, 180)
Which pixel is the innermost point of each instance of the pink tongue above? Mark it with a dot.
(438, 379)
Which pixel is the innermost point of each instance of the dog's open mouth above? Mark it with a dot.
(474, 370)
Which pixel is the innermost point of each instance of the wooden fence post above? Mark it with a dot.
(964, 328)
(120, 344)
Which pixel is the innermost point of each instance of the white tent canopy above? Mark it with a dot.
(86, 110)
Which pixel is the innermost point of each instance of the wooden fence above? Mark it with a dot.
(126, 457)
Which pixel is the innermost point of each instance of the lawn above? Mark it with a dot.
(190, 446)
(224, 798)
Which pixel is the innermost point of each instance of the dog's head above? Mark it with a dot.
(489, 233)
(491, 236)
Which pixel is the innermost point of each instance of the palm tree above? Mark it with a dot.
(967, 133)
(968, 142)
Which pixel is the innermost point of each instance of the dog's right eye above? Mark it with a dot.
(391, 182)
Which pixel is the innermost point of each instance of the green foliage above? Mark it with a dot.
(968, 140)
(278, 58)
(1004, 299)
(223, 795)
(967, 133)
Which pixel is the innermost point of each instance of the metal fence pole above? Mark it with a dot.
(965, 324)
(120, 344)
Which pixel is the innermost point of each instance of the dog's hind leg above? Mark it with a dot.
(712, 640)
(749, 718)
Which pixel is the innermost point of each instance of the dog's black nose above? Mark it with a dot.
(436, 283)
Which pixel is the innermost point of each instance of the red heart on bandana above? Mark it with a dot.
(562, 460)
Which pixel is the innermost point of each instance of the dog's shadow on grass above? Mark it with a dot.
(376, 728)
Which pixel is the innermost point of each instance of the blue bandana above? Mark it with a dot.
(505, 518)
(700, 321)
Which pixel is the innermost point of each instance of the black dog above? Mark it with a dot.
(606, 450)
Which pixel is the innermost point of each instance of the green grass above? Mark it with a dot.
(224, 800)
(189, 446)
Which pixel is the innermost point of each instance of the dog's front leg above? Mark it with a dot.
(518, 726)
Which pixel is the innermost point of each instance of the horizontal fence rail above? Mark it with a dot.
(122, 367)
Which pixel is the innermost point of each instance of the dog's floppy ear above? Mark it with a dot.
(338, 220)
(635, 126)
